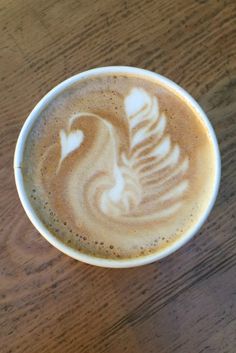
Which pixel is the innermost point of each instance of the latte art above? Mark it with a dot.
(119, 166)
(151, 172)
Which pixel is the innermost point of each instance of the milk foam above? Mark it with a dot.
(129, 180)
(120, 167)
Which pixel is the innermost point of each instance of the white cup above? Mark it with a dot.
(116, 263)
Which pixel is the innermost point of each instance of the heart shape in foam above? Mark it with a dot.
(70, 142)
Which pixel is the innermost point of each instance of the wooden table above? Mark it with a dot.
(185, 303)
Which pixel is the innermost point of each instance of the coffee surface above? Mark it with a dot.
(119, 166)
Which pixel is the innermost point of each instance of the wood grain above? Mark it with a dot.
(184, 303)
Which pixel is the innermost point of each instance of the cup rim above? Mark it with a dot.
(38, 224)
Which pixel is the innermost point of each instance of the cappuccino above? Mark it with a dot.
(119, 166)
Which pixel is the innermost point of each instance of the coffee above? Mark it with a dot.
(119, 166)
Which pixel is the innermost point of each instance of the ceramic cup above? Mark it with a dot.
(19, 151)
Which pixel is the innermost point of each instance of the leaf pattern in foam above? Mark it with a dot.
(159, 165)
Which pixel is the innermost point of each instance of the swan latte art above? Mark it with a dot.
(119, 166)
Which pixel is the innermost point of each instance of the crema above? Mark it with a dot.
(119, 166)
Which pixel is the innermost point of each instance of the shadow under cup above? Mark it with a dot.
(59, 244)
